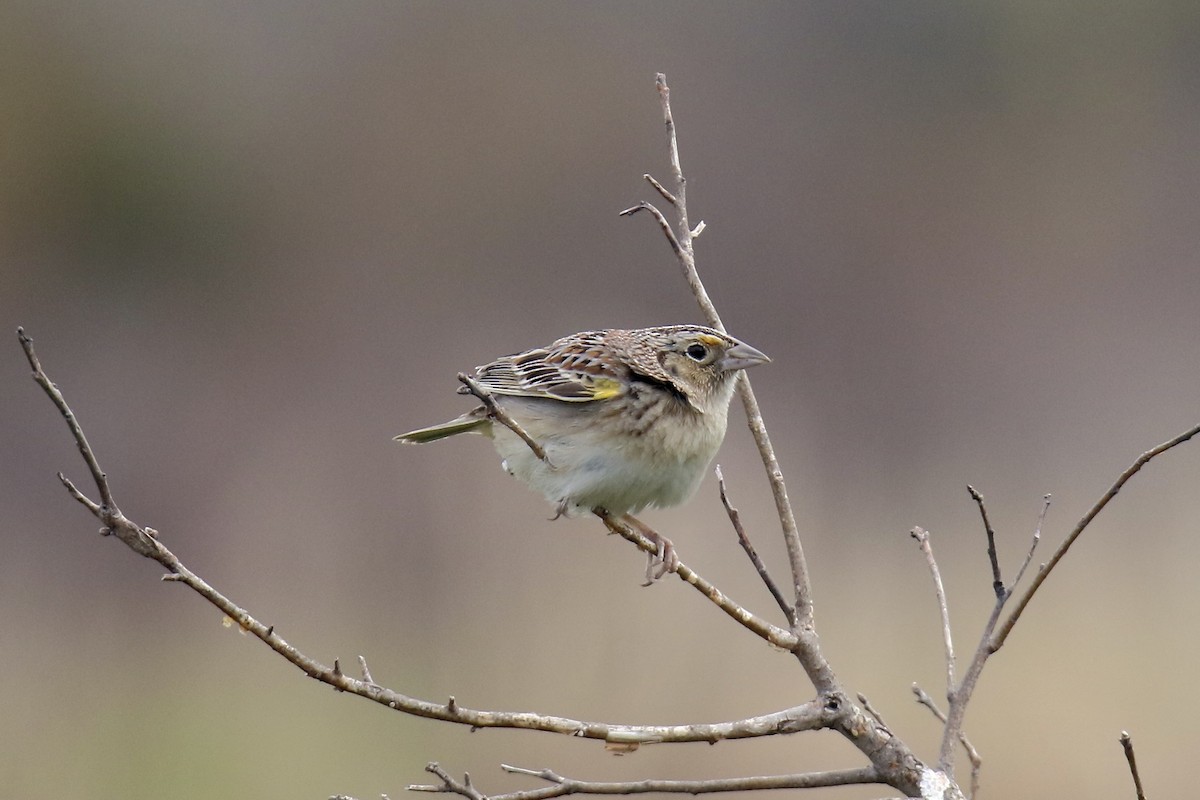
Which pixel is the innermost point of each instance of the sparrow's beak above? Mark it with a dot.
(742, 356)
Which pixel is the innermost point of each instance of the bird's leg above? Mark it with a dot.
(663, 559)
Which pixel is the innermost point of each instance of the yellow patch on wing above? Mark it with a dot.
(605, 388)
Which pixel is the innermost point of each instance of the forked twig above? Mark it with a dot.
(1002, 632)
(141, 540)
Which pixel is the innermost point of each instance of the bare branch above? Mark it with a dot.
(662, 190)
(866, 704)
(81, 441)
(449, 785)
(141, 540)
(503, 417)
(362, 664)
(561, 786)
(892, 757)
(1037, 537)
(961, 696)
(1005, 629)
(735, 519)
(997, 582)
(783, 506)
(86, 502)
(681, 244)
(1127, 745)
(922, 537)
(760, 627)
(924, 699)
(972, 754)
(662, 222)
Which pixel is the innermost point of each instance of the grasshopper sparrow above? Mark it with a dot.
(628, 419)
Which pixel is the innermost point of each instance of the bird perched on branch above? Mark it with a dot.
(627, 419)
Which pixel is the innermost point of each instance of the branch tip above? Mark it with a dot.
(1127, 744)
(922, 537)
(993, 558)
(662, 190)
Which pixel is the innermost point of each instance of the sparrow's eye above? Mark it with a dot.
(697, 352)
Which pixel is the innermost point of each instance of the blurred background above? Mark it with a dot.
(254, 242)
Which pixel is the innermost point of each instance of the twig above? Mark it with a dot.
(866, 704)
(997, 582)
(924, 699)
(1001, 634)
(449, 785)
(658, 216)
(140, 540)
(760, 627)
(972, 754)
(783, 506)
(1127, 744)
(922, 537)
(503, 417)
(1037, 537)
(561, 786)
(85, 449)
(662, 190)
(735, 519)
(362, 663)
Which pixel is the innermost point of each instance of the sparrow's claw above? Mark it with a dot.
(663, 559)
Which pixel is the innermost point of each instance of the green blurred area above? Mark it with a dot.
(253, 242)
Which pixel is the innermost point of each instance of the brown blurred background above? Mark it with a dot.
(253, 242)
